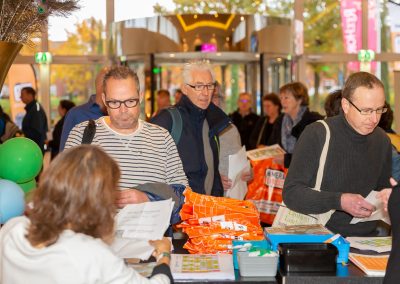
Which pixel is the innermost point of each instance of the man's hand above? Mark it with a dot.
(226, 182)
(130, 196)
(384, 194)
(355, 205)
(247, 175)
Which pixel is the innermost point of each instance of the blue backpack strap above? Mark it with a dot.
(177, 126)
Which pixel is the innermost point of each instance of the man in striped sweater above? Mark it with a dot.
(145, 153)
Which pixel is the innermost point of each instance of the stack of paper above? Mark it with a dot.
(266, 152)
(238, 164)
(378, 244)
(136, 224)
(373, 265)
(201, 266)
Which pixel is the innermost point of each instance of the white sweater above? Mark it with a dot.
(74, 259)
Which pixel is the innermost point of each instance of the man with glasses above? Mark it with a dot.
(358, 160)
(202, 121)
(146, 154)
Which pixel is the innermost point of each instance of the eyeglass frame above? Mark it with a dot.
(203, 86)
(369, 111)
(107, 103)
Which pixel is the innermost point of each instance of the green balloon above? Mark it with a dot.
(20, 160)
(28, 186)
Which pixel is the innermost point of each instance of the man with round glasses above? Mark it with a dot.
(358, 160)
(202, 122)
(146, 153)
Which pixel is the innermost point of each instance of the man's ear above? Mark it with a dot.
(184, 88)
(103, 98)
(141, 96)
(345, 105)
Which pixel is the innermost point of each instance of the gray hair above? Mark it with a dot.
(201, 65)
(119, 73)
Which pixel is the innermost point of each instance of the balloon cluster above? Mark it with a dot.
(20, 162)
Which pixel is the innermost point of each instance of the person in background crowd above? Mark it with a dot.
(332, 104)
(351, 169)
(178, 95)
(63, 108)
(272, 110)
(229, 140)
(202, 123)
(288, 128)
(93, 109)
(34, 123)
(162, 100)
(244, 119)
(8, 129)
(65, 236)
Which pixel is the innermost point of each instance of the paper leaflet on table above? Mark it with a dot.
(378, 214)
(378, 244)
(136, 224)
(200, 266)
(373, 265)
(266, 152)
(238, 164)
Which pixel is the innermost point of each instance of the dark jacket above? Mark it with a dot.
(276, 135)
(262, 131)
(245, 125)
(190, 146)
(55, 143)
(34, 124)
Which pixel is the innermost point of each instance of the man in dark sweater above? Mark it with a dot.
(358, 160)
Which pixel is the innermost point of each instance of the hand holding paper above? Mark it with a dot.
(238, 164)
(378, 214)
(136, 224)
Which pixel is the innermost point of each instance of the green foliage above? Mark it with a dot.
(78, 79)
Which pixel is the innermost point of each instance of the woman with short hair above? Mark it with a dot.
(287, 130)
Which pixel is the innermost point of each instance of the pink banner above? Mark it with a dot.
(351, 13)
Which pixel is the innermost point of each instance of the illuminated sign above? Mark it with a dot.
(43, 57)
(208, 47)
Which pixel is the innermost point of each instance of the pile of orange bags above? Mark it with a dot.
(213, 222)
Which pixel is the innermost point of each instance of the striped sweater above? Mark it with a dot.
(148, 155)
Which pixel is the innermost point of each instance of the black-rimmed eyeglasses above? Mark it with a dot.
(129, 103)
(200, 87)
(368, 111)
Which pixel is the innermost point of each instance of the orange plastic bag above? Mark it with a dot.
(213, 222)
(265, 191)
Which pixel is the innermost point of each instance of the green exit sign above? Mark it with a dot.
(43, 57)
(366, 55)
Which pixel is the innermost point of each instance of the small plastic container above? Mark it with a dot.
(307, 257)
(255, 244)
(252, 266)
